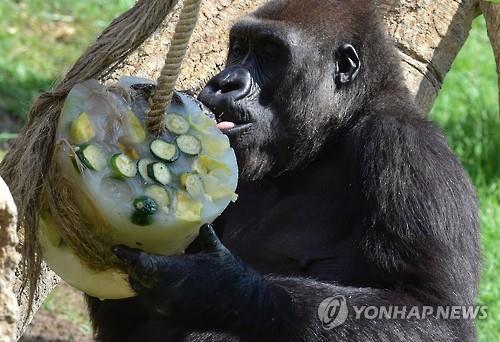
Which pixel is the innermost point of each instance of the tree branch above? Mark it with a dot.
(429, 34)
(491, 12)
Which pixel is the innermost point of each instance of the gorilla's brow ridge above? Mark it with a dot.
(257, 28)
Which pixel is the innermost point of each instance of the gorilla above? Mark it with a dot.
(345, 191)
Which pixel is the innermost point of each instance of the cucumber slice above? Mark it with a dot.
(141, 220)
(142, 168)
(160, 173)
(82, 129)
(189, 144)
(144, 209)
(176, 124)
(160, 195)
(92, 156)
(164, 150)
(123, 166)
(145, 205)
(193, 184)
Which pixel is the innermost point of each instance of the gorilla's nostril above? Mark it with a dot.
(229, 86)
(234, 82)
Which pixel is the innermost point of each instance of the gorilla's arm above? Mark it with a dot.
(306, 296)
(215, 292)
(422, 232)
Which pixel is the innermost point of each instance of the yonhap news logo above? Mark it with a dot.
(334, 311)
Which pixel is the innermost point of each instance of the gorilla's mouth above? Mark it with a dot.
(229, 124)
(224, 96)
(228, 127)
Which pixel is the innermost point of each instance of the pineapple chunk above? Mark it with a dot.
(136, 132)
(216, 190)
(82, 130)
(187, 209)
(213, 144)
(205, 165)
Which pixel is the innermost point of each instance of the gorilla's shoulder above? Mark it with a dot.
(397, 130)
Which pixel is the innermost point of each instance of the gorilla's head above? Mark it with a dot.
(297, 73)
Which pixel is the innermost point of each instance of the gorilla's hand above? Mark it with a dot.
(207, 290)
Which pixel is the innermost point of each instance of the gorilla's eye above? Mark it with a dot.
(270, 51)
(238, 49)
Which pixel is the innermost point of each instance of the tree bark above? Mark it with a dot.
(491, 13)
(428, 34)
(9, 259)
(208, 45)
(48, 281)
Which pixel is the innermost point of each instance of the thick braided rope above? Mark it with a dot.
(172, 68)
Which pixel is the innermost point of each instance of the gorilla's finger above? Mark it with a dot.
(209, 240)
(139, 262)
(149, 265)
(126, 254)
(147, 270)
(141, 267)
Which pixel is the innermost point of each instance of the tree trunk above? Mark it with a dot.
(207, 49)
(9, 259)
(491, 13)
(428, 33)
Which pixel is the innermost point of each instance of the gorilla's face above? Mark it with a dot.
(243, 97)
(275, 97)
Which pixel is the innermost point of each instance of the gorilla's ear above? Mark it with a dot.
(347, 64)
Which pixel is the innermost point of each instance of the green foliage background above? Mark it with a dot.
(467, 111)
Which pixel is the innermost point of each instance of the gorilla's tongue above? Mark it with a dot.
(224, 125)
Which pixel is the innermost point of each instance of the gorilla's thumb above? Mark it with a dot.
(126, 254)
(209, 240)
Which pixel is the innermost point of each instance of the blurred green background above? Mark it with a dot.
(40, 39)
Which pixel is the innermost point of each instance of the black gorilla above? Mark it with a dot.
(345, 190)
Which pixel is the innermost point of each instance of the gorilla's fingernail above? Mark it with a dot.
(207, 226)
(207, 232)
(122, 253)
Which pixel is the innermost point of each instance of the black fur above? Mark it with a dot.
(345, 190)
